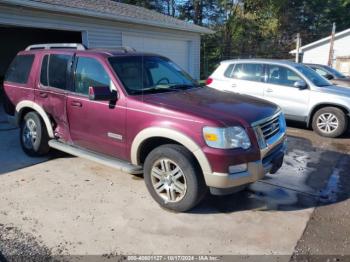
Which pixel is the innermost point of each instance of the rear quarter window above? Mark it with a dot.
(19, 69)
(228, 71)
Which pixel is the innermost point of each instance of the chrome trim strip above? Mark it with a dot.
(115, 136)
(259, 122)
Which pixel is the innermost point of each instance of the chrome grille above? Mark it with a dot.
(270, 128)
(266, 130)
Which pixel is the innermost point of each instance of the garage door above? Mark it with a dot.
(176, 50)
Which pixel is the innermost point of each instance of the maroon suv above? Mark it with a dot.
(140, 113)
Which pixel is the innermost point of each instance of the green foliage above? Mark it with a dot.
(254, 28)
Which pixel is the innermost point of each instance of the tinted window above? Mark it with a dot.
(281, 75)
(251, 72)
(19, 69)
(228, 72)
(89, 72)
(54, 71)
(44, 71)
(58, 68)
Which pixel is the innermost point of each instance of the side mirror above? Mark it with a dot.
(300, 84)
(329, 76)
(102, 93)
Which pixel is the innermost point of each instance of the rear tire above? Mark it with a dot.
(33, 135)
(330, 122)
(173, 178)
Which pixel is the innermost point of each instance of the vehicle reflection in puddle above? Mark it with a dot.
(308, 178)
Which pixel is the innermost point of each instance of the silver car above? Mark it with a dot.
(302, 94)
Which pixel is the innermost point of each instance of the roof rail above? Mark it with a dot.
(126, 49)
(56, 46)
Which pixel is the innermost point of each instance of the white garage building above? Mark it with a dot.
(318, 52)
(97, 23)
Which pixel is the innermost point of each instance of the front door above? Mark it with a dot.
(95, 125)
(280, 89)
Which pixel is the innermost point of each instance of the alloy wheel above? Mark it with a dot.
(327, 123)
(168, 180)
(29, 133)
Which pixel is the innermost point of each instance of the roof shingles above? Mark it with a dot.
(120, 10)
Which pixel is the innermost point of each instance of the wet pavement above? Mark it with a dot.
(70, 206)
(327, 235)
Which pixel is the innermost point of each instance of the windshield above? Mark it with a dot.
(335, 72)
(150, 74)
(314, 77)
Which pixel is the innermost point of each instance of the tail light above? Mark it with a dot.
(209, 81)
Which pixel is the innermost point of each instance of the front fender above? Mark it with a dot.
(177, 136)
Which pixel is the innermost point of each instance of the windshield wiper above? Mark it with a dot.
(183, 86)
(165, 88)
(151, 91)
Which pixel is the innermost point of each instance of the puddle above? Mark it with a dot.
(309, 177)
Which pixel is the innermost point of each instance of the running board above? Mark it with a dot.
(99, 158)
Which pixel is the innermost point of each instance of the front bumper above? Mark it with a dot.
(272, 159)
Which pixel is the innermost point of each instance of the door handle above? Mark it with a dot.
(43, 95)
(269, 90)
(233, 85)
(76, 104)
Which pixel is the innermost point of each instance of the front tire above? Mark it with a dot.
(173, 178)
(330, 122)
(33, 135)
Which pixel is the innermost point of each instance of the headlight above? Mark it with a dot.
(226, 138)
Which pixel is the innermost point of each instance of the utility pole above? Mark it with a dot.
(331, 49)
(298, 48)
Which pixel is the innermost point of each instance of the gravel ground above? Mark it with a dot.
(21, 246)
(71, 206)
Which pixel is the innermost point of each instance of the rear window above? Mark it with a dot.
(19, 69)
(54, 70)
(250, 72)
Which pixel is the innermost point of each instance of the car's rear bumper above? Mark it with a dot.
(225, 183)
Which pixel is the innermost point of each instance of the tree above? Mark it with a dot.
(157, 5)
(254, 28)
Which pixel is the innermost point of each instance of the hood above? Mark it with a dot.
(334, 90)
(215, 105)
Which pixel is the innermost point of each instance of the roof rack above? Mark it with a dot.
(56, 46)
(126, 49)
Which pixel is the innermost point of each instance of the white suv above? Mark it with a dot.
(302, 94)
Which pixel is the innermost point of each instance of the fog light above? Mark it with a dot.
(237, 168)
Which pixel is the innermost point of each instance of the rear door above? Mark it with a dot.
(247, 78)
(52, 85)
(95, 125)
(279, 88)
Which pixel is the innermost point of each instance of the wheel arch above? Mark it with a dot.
(26, 105)
(172, 135)
(322, 105)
